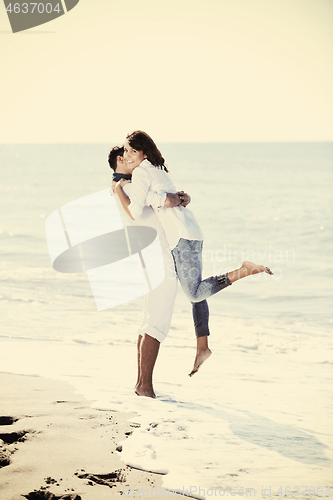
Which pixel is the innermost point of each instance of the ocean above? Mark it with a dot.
(258, 412)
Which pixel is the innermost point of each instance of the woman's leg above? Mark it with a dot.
(188, 263)
(200, 313)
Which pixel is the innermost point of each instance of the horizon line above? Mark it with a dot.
(175, 142)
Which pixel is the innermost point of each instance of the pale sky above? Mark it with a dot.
(183, 71)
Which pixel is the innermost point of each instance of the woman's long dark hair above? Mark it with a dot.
(143, 142)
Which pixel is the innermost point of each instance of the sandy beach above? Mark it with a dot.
(53, 445)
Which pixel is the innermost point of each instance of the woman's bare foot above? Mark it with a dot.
(247, 269)
(255, 268)
(145, 391)
(201, 356)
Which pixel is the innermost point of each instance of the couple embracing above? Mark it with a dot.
(146, 195)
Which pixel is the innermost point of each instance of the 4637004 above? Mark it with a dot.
(32, 7)
(313, 491)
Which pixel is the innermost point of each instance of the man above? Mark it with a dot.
(158, 303)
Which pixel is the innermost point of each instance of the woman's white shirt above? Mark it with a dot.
(177, 222)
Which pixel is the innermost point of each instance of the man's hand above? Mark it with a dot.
(177, 199)
(184, 197)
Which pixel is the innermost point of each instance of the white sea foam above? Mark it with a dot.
(248, 418)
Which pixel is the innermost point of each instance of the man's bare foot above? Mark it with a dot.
(199, 359)
(251, 268)
(144, 391)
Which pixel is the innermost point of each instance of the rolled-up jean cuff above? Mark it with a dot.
(223, 280)
(201, 331)
(152, 332)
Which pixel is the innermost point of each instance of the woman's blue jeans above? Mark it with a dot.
(187, 256)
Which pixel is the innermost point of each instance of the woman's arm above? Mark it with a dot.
(140, 195)
(125, 201)
(139, 191)
(168, 200)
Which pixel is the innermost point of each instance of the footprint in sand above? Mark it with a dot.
(18, 437)
(109, 480)
(13, 437)
(7, 420)
(8, 438)
(47, 495)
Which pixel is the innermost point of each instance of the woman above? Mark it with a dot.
(182, 231)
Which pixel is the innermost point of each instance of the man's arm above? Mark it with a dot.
(169, 200)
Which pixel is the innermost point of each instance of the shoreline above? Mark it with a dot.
(53, 444)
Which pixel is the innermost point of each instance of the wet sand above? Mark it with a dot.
(53, 445)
